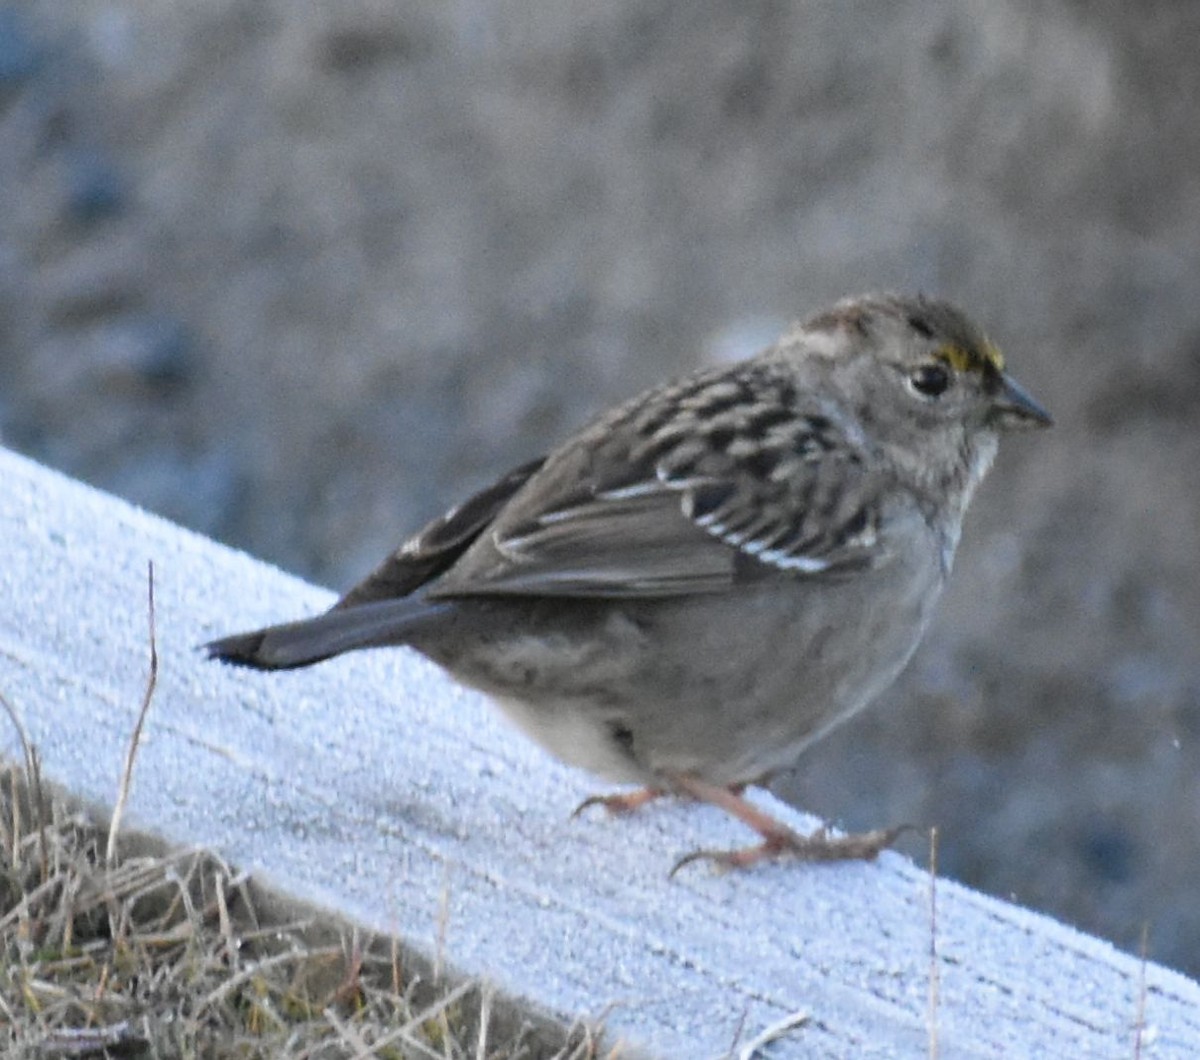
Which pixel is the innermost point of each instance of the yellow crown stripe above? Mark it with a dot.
(970, 358)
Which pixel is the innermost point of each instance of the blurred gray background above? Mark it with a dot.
(300, 275)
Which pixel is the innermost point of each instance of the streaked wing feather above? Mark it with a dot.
(638, 546)
(433, 550)
(687, 490)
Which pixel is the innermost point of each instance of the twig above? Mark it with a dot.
(592, 1027)
(485, 1018)
(1139, 1025)
(405, 1033)
(443, 925)
(395, 954)
(935, 977)
(251, 970)
(772, 1033)
(22, 735)
(116, 1039)
(33, 770)
(224, 923)
(350, 1036)
(440, 1005)
(350, 988)
(114, 827)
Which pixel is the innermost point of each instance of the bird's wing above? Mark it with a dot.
(727, 477)
(435, 549)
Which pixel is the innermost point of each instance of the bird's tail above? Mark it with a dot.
(311, 640)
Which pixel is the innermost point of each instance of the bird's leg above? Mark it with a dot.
(620, 804)
(778, 839)
(628, 802)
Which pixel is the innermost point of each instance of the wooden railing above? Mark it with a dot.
(374, 786)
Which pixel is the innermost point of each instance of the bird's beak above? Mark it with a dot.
(1013, 408)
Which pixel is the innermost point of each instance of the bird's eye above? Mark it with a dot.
(930, 380)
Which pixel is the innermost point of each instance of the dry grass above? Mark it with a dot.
(113, 946)
(176, 955)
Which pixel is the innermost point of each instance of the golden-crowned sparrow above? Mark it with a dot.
(705, 580)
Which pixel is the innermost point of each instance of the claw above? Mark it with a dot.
(818, 846)
(778, 840)
(619, 805)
